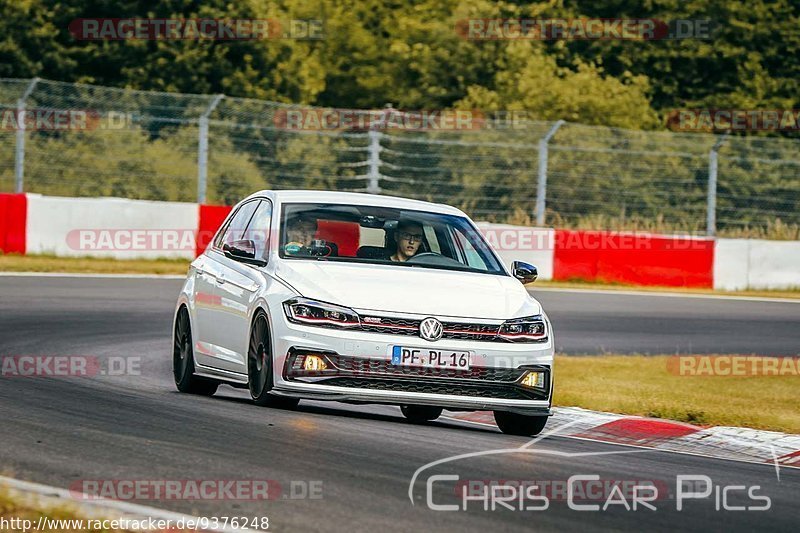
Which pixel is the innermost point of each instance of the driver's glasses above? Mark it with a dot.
(406, 236)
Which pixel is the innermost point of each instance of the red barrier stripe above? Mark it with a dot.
(13, 220)
(345, 234)
(638, 259)
(211, 218)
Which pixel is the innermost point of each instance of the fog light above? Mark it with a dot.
(314, 362)
(533, 379)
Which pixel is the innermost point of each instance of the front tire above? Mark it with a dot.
(259, 366)
(516, 424)
(419, 414)
(183, 360)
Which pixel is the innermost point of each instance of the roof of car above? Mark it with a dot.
(355, 198)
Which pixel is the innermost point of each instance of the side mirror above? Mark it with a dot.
(524, 272)
(243, 250)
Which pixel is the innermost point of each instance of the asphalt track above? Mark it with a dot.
(59, 431)
(587, 322)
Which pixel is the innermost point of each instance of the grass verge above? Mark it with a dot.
(24, 514)
(645, 386)
(94, 265)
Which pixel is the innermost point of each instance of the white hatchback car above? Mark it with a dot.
(364, 299)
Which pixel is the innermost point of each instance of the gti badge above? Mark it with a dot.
(431, 329)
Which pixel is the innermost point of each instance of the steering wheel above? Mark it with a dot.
(432, 258)
(423, 255)
(319, 248)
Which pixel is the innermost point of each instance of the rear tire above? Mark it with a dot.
(183, 360)
(419, 414)
(516, 424)
(259, 367)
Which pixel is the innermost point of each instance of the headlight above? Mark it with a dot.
(528, 329)
(314, 313)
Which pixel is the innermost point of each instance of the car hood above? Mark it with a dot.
(415, 290)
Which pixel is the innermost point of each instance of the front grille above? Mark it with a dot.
(503, 392)
(464, 331)
(377, 366)
(378, 374)
(452, 330)
(394, 326)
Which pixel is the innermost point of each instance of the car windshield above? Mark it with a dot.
(383, 235)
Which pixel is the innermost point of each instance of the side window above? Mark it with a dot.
(471, 255)
(259, 228)
(237, 225)
(433, 242)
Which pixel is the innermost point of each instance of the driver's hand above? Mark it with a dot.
(295, 248)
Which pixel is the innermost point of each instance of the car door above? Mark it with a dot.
(205, 303)
(237, 285)
(216, 311)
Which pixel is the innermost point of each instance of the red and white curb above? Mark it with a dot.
(719, 442)
(94, 507)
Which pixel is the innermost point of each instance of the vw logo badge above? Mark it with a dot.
(431, 329)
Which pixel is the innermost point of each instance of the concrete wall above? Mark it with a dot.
(138, 229)
(756, 264)
(111, 227)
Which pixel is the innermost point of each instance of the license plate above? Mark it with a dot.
(429, 358)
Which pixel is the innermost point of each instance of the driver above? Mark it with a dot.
(408, 239)
(300, 232)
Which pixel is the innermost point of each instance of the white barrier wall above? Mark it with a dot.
(521, 243)
(139, 229)
(730, 264)
(756, 264)
(111, 227)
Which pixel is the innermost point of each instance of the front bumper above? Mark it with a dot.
(456, 403)
(364, 373)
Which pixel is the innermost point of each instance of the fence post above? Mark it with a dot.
(374, 162)
(541, 184)
(19, 153)
(202, 150)
(711, 200)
